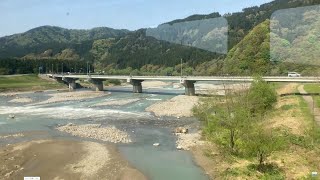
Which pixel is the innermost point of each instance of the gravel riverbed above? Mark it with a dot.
(72, 96)
(179, 106)
(95, 131)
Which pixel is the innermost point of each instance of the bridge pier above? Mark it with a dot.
(59, 79)
(189, 87)
(98, 84)
(71, 82)
(137, 87)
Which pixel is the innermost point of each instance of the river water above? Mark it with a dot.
(163, 162)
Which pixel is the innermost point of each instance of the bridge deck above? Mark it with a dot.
(194, 78)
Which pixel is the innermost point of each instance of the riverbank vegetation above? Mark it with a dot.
(260, 135)
(26, 83)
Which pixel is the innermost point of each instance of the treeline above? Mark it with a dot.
(209, 68)
(20, 66)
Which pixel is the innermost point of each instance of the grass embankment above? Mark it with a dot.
(313, 88)
(26, 83)
(291, 121)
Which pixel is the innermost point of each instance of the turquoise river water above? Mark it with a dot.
(163, 162)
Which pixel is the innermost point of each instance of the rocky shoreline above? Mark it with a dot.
(186, 141)
(96, 131)
(179, 106)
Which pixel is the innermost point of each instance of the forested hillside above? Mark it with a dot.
(252, 54)
(294, 45)
(114, 50)
(40, 39)
(136, 50)
(295, 36)
(240, 23)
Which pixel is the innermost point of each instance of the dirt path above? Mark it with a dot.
(314, 110)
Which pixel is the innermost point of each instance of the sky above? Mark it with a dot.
(18, 16)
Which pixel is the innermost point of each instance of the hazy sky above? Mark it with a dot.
(21, 15)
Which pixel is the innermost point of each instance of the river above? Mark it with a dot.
(163, 162)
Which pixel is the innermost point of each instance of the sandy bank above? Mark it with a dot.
(61, 159)
(207, 156)
(13, 93)
(90, 164)
(72, 96)
(95, 131)
(21, 100)
(155, 84)
(12, 136)
(220, 89)
(121, 102)
(179, 106)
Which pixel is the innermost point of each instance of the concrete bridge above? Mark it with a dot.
(187, 81)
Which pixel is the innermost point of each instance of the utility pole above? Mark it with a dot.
(181, 67)
(181, 58)
(87, 68)
(62, 68)
(52, 68)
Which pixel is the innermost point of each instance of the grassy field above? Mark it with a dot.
(26, 83)
(293, 121)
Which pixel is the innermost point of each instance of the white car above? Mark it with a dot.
(293, 74)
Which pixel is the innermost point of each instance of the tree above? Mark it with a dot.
(261, 97)
(260, 143)
(226, 117)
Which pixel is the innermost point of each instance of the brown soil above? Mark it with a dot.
(62, 159)
(288, 88)
(207, 156)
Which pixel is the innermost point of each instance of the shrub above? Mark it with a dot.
(261, 97)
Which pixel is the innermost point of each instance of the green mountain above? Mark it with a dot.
(136, 50)
(252, 54)
(288, 42)
(248, 39)
(240, 23)
(40, 39)
(295, 36)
